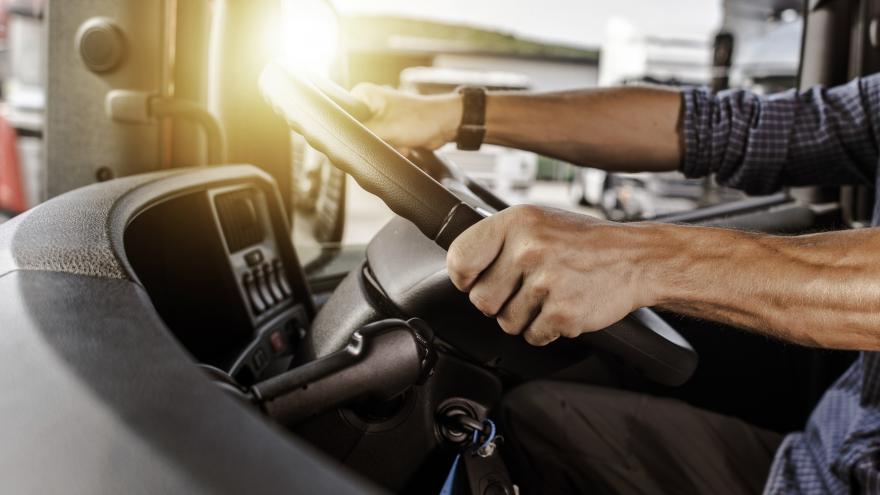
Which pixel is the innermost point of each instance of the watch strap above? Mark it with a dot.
(472, 129)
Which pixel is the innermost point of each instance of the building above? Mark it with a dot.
(379, 48)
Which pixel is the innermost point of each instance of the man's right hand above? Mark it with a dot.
(408, 121)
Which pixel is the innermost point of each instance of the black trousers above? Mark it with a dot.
(572, 438)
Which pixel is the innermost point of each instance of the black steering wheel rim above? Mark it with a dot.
(374, 164)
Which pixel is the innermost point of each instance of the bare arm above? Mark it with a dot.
(547, 273)
(626, 129)
(819, 290)
(623, 129)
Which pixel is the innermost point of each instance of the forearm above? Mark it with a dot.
(623, 129)
(819, 290)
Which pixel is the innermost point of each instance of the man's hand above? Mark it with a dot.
(409, 121)
(547, 273)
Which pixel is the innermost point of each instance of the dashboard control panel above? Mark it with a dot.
(221, 271)
(252, 250)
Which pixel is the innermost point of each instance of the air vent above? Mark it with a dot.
(239, 219)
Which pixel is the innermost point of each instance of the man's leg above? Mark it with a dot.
(575, 438)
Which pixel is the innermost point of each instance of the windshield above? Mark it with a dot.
(549, 45)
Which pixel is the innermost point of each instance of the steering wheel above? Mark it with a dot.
(330, 120)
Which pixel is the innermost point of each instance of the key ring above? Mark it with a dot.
(487, 448)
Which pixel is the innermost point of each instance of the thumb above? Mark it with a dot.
(373, 96)
(474, 250)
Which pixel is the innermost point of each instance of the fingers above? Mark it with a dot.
(546, 328)
(496, 284)
(372, 95)
(521, 309)
(550, 324)
(474, 250)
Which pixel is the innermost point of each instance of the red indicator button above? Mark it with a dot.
(279, 345)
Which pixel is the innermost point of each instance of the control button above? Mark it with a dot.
(294, 329)
(263, 287)
(276, 339)
(257, 304)
(259, 359)
(253, 258)
(282, 278)
(272, 280)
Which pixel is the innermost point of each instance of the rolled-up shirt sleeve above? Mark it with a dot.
(761, 143)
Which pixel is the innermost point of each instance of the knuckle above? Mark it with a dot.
(561, 319)
(533, 338)
(481, 301)
(508, 325)
(529, 256)
(540, 285)
(527, 213)
(540, 338)
(458, 266)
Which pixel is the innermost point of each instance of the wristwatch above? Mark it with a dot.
(472, 128)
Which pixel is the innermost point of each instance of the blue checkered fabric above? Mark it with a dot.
(821, 136)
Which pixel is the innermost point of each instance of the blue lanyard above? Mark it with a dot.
(449, 484)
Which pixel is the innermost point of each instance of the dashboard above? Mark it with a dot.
(99, 384)
(217, 265)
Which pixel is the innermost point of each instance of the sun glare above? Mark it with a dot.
(306, 36)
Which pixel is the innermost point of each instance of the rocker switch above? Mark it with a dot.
(272, 282)
(282, 278)
(253, 294)
(263, 286)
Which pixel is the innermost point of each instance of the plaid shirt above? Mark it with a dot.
(818, 136)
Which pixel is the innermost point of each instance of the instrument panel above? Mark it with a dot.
(220, 268)
(252, 250)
